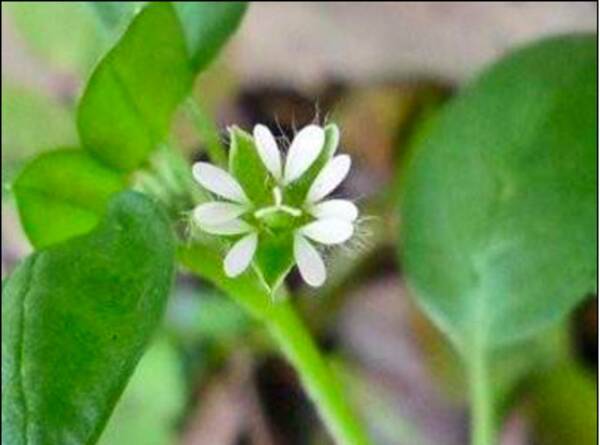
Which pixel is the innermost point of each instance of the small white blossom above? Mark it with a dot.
(330, 222)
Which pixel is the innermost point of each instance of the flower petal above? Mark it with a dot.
(335, 208)
(268, 150)
(240, 255)
(305, 149)
(310, 263)
(212, 213)
(334, 172)
(328, 231)
(233, 227)
(219, 182)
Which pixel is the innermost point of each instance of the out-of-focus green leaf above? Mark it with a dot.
(126, 109)
(148, 410)
(33, 122)
(63, 193)
(206, 314)
(114, 15)
(564, 406)
(499, 212)
(75, 321)
(64, 33)
(207, 26)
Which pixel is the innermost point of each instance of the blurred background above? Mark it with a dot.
(212, 376)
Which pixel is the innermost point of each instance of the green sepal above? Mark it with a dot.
(247, 167)
(274, 258)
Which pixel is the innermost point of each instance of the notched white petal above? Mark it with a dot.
(240, 255)
(303, 152)
(268, 150)
(328, 231)
(335, 208)
(212, 213)
(332, 175)
(219, 182)
(310, 263)
(233, 227)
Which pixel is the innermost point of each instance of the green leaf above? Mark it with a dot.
(205, 314)
(247, 167)
(295, 194)
(149, 408)
(33, 122)
(75, 321)
(126, 109)
(63, 193)
(72, 43)
(499, 212)
(129, 102)
(114, 15)
(563, 404)
(207, 26)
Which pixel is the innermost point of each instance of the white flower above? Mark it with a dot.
(305, 149)
(332, 220)
(223, 218)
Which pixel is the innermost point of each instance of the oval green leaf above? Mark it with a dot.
(63, 193)
(499, 212)
(153, 401)
(76, 318)
(71, 44)
(126, 109)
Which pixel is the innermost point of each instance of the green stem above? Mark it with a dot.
(292, 336)
(208, 131)
(481, 399)
(316, 375)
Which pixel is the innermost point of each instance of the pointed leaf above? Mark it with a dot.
(126, 109)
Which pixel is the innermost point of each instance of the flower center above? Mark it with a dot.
(277, 207)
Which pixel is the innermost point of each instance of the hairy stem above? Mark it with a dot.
(293, 338)
(316, 376)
